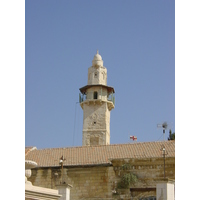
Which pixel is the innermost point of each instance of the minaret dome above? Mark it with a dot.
(97, 60)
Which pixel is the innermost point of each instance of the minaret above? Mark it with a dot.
(97, 100)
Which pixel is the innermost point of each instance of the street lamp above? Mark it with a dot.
(164, 153)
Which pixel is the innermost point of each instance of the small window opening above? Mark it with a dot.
(95, 75)
(95, 95)
(95, 122)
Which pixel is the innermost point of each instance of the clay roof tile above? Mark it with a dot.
(97, 155)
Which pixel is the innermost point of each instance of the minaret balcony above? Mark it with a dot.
(93, 98)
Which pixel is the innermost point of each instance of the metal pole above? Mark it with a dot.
(62, 173)
(164, 160)
(163, 134)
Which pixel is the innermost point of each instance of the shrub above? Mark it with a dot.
(126, 180)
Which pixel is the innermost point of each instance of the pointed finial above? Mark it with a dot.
(97, 51)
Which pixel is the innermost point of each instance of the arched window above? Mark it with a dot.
(95, 95)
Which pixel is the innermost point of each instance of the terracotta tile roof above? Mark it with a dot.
(96, 155)
(28, 149)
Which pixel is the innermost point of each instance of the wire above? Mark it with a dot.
(74, 123)
(159, 137)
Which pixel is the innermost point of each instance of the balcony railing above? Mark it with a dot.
(91, 96)
(111, 98)
(82, 97)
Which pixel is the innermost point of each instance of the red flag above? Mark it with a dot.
(133, 137)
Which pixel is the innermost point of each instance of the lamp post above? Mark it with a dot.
(164, 153)
(61, 163)
(164, 159)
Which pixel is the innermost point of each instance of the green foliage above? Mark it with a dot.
(126, 167)
(126, 180)
(171, 135)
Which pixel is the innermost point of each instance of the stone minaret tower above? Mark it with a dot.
(97, 100)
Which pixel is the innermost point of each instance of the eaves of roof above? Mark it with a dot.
(99, 155)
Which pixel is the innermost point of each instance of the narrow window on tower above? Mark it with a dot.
(95, 75)
(95, 95)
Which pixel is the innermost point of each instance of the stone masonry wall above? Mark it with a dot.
(148, 172)
(101, 181)
(87, 182)
(95, 124)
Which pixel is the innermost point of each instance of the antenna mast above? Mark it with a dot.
(164, 127)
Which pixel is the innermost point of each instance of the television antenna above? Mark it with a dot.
(164, 126)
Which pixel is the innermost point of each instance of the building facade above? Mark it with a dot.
(97, 172)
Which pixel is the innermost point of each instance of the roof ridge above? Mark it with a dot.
(90, 155)
(101, 146)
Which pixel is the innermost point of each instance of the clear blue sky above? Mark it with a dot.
(61, 40)
(136, 40)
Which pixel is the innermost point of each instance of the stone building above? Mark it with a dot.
(97, 100)
(98, 169)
